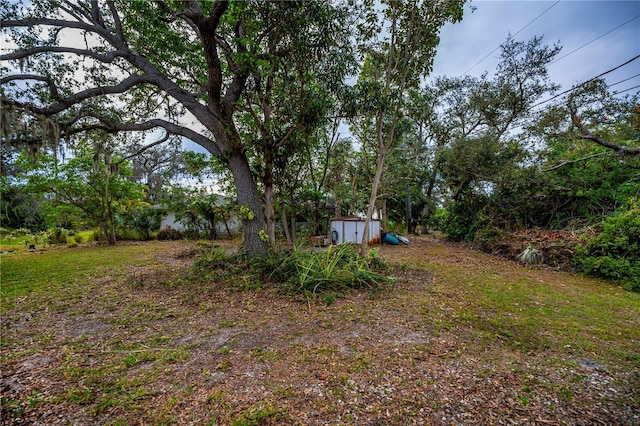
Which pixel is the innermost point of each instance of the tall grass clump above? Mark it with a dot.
(297, 270)
(338, 268)
(531, 255)
(215, 258)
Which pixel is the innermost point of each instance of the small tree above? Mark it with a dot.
(395, 64)
(89, 186)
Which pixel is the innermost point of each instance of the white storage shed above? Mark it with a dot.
(350, 230)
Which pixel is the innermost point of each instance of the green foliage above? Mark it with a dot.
(144, 222)
(89, 189)
(302, 271)
(462, 219)
(531, 255)
(213, 257)
(20, 209)
(615, 253)
(200, 211)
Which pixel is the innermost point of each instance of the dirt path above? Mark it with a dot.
(146, 346)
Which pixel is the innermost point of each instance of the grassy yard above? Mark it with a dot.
(126, 335)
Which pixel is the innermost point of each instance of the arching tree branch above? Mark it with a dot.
(564, 163)
(77, 98)
(46, 79)
(61, 23)
(143, 149)
(171, 128)
(24, 53)
(587, 135)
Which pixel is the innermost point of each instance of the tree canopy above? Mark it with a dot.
(264, 88)
(184, 67)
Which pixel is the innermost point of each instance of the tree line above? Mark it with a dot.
(264, 87)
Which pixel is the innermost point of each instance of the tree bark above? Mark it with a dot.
(292, 217)
(249, 196)
(269, 196)
(285, 224)
(372, 202)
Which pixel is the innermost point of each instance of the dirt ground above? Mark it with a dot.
(146, 346)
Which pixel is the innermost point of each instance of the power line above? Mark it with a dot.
(626, 90)
(591, 79)
(597, 38)
(519, 31)
(608, 85)
(622, 81)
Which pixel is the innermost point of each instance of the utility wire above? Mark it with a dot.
(608, 85)
(626, 90)
(519, 31)
(622, 81)
(590, 80)
(597, 38)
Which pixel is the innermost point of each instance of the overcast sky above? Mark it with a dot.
(572, 23)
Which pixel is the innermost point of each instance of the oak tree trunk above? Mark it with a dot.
(249, 196)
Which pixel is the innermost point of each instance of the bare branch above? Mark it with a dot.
(24, 53)
(76, 98)
(52, 86)
(170, 127)
(226, 49)
(96, 15)
(585, 134)
(33, 22)
(239, 82)
(143, 149)
(74, 10)
(187, 16)
(217, 9)
(564, 163)
(116, 19)
(621, 149)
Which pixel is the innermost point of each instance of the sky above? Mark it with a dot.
(572, 23)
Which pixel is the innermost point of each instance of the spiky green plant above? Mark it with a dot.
(531, 255)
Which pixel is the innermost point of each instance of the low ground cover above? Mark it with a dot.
(126, 335)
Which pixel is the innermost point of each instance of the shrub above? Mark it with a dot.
(169, 233)
(463, 219)
(334, 269)
(297, 270)
(144, 222)
(301, 271)
(213, 257)
(615, 253)
(58, 235)
(531, 255)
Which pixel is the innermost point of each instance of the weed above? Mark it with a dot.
(224, 365)
(531, 255)
(328, 298)
(14, 406)
(227, 323)
(80, 396)
(565, 393)
(260, 414)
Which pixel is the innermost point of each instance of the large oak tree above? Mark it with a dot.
(179, 66)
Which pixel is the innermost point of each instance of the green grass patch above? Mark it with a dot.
(262, 413)
(63, 273)
(531, 310)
